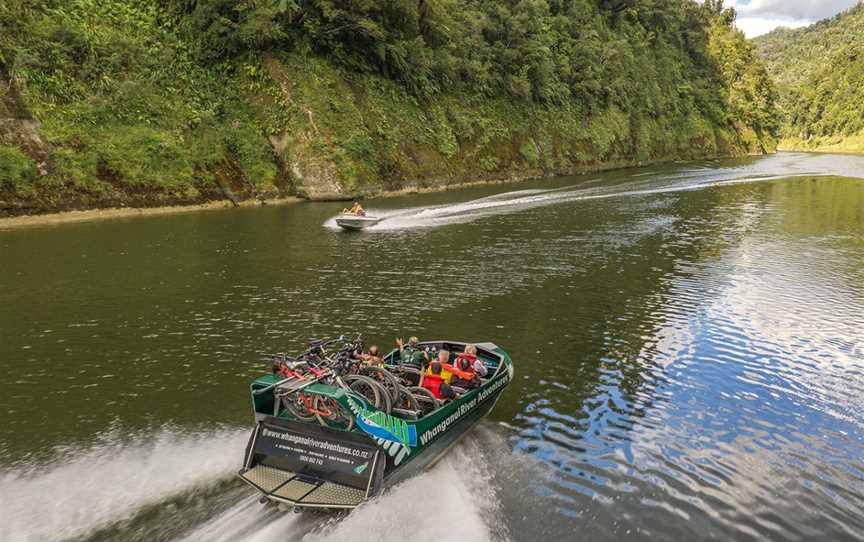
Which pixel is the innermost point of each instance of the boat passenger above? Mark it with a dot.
(463, 379)
(355, 209)
(446, 369)
(372, 357)
(469, 367)
(434, 382)
(410, 354)
(476, 363)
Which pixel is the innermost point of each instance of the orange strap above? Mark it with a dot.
(464, 375)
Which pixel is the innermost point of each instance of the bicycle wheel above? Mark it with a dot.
(366, 387)
(386, 402)
(297, 408)
(406, 400)
(384, 377)
(425, 399)
(331, 414)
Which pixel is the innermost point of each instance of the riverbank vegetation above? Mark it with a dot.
(820, 75)
(177, 101)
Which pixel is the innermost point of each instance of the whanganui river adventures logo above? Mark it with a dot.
(394, 435)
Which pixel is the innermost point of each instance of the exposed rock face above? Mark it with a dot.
(309, 173)
(18, 127)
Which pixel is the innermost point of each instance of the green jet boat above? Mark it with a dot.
(326, 438)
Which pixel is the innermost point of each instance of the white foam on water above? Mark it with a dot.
(450, 502)
(522, 200)
(453, 501)
(420, 217)
(88, 489)
(246, 520)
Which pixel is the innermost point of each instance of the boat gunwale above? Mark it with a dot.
(336, 392)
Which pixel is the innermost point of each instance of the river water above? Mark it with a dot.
(688, 343)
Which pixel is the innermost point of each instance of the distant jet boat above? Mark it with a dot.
(356, 222)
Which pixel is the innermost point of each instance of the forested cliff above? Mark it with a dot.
(820, 76)
(151, 102)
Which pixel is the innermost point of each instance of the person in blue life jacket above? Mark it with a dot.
(410, 354)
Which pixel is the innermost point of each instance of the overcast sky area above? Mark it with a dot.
(756, 17)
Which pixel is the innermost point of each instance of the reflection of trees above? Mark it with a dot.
(820, 206)
(603, 280)
(620, 312)
(605, 316)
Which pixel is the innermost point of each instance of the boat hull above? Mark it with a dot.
(438, 448)
(356, 223)
(402, 447)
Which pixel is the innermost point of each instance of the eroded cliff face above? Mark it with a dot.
(338, 134)
(327, 134)
(18, 127)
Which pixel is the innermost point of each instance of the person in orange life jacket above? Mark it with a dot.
(434, 382)
(476, 363)
(453, 375)
(373, 357)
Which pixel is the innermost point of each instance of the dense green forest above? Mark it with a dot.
(107, 102)
(820, 77)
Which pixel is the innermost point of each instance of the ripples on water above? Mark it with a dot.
(687, 340)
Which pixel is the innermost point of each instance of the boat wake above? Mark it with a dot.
(85, 490)
(619, 184)
(129, 488)
(455, 499)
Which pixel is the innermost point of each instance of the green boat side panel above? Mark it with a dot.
(402, 441)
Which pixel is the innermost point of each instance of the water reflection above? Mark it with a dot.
(726, 393)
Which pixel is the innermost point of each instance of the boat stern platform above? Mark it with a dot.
(309, 466)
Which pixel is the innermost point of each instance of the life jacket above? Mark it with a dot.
(446, 371)
(286, 372)
(454, 371)
(465, 362)
(432, 382)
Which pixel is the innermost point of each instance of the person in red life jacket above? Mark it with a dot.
(469, 369)
(478, 365)
(434, 382)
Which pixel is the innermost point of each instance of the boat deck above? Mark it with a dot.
(294, 489)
